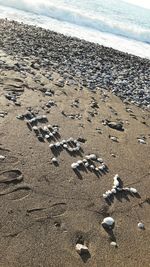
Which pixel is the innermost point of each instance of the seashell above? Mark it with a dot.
(108, 222)
(132, 190)
(74, 165)
(141, 225)
(81, 249)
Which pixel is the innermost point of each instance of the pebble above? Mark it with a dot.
(108, 222)
(141, 141)
(54, 160)
(2, 157)
(74, 165)
(141, 225)
(113, 138)
(81, 249)
(132, 190)
(114, 244)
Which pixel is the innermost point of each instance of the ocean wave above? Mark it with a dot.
(74, 16)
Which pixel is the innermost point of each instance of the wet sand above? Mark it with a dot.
(47, 208)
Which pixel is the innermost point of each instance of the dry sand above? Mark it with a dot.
(47, 209)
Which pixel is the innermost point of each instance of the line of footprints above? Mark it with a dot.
(51, 133)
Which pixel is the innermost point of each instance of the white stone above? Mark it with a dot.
(141, 141)
(86, 164)
(92, 167)
(54, 160)
(2, 157)
(79, 162)
(133, 190)
(92, 156)
(74, 165)
(141, 225)
(116, 182)
(108, 221)
(65, 145)
(113, 191)
(100, 160)
(51, 145)
(81, 248)
(114, 244)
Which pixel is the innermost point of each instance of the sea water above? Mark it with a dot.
(120, 24)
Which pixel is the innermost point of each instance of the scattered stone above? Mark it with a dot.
(141, 225)
(141, 141)
(114, 244)
(115, 125)
(54, 160)
(108, 222)
(81, 249)
(2, 157)
(113, 138)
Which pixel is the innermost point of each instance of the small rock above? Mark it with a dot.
(141, 141)
(81, 249)
(141, 225)
(54, 160)
(113, 138)
(2, 157)
(108, 222)
(114, 244)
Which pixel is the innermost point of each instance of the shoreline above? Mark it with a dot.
(92, 65)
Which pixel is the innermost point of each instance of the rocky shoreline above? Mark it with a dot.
(79, 61)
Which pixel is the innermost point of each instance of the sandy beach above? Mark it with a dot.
(62, 100)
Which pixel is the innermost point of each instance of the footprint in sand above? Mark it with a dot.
(43, 213)
(11, 176)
